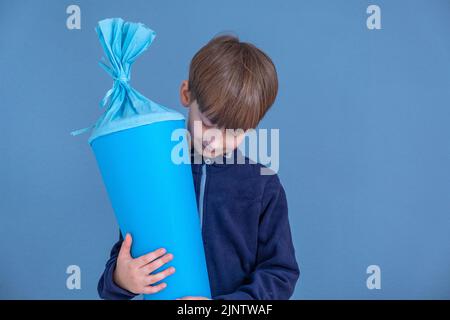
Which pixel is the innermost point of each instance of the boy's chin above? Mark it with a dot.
(211, 154)
(208, 153)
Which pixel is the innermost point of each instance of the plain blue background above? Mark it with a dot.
(364, 128)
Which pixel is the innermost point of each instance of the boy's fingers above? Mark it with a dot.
(149, 257)
(154, 289)
(151, 279)
(149, 268)
(126, 246)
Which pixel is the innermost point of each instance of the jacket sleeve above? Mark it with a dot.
(276, 271)
(107, 288)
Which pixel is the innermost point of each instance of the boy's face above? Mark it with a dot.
(207, 139)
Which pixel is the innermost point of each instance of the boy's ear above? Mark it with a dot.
(185, 96)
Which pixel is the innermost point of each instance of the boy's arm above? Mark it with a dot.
(276, 271)
(107, 288)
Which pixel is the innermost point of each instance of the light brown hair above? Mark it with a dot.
(234, 82)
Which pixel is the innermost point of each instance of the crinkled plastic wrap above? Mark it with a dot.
(153, 198)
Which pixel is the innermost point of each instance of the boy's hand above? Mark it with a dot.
(134, 274)
(193, 298)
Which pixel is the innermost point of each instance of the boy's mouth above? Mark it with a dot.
(207, 149)
(209, 152)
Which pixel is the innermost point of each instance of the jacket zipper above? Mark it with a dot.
(201, 199)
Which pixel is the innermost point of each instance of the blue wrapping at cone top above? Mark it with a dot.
(153, 198)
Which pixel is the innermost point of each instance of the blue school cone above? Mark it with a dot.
(135, 143)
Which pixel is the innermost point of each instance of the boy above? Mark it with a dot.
(243, 214)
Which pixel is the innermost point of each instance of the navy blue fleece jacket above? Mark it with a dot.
(245, 230)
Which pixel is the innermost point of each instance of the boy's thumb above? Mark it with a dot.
(126, 246)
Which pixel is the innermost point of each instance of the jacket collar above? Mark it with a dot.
(218, 163)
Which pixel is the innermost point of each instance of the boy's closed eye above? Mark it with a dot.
(206, 122)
